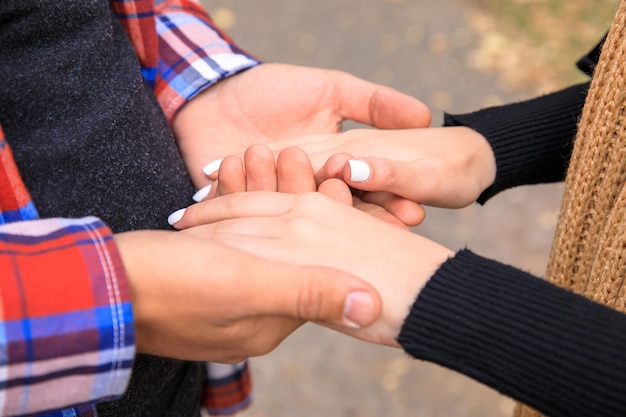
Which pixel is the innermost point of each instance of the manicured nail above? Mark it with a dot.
(212, 167)
(202, 193)
(176, 216)
(358, 309)
(359, 171)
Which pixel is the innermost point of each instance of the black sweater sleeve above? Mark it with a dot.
(532, 140)
(535, 342)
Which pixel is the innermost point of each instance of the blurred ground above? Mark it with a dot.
(453, 56)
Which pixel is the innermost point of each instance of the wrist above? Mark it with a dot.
(483, 160)
(132, 250)
(423, 268)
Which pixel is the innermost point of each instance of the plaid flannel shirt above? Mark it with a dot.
(66, 326)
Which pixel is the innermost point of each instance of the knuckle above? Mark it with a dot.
(310, 200)
(302, 227)
(312, 303)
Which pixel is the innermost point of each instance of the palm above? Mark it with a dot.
(274, 101)
(291, 104)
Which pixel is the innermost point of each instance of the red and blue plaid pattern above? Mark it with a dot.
(66, 330)
(15, 202)
(192, 53)
(66, 335)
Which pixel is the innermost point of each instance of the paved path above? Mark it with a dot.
(428, 49)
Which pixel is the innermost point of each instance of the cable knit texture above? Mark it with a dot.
(588, 254)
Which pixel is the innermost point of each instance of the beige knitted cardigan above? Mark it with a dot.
(589, 250)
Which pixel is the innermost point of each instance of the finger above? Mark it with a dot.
(212, 168)
(379, 106)
(313, 293)
(333, 167)
(337, 190)
(208, 191)
(378, 174)
(231, 177)
(233, 206)
(340, 165)
(260, 169)
(294, 171)
(259, 227)
(408, 212)
(378, 212)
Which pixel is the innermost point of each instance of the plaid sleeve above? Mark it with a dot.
(15, 201)
(193, 54)
(66, 328)
(228, 388)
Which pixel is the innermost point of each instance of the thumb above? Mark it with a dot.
(379, 106)
(379, 174)
(319, 294)
(391, 109)
(337, 190)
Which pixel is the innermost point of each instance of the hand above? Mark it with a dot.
(313, 229)
(275, 101)
(198, 300)
(444, 167)
(292, 173)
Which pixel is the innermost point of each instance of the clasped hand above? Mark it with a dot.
(446, 167)
(319, 228)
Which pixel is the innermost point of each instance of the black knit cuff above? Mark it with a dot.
(556, 351)
(532, 140)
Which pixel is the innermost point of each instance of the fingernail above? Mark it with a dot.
(359, 171)
(358, 309)
(212, 167)
(176, 216)
(202, 193)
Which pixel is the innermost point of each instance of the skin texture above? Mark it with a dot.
(410, 167)
(414, 164)
(292, 172)
(273, 102)
(444, 167)
(200, 300)
(298, 227)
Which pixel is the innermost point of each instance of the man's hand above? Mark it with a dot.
(199, 300)
(276, 101)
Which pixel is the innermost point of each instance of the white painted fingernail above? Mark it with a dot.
(212, 167)
(359, 171)
(202, 193)
(176, 216)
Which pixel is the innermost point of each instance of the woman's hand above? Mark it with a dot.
(313, 229)
(444, 167)
(292, 172)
